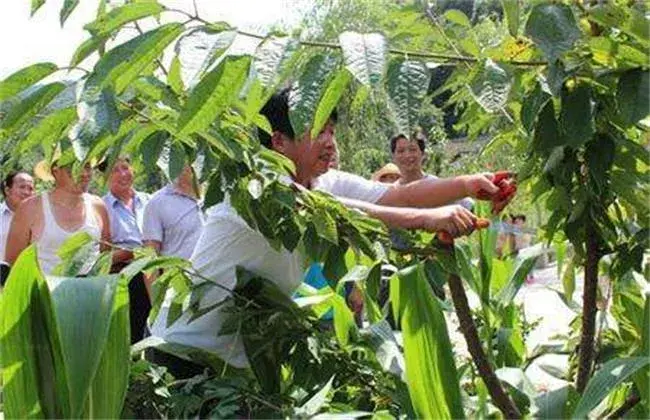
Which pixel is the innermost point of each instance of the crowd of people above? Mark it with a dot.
(171, 221)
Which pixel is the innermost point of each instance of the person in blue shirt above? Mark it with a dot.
(125, 208)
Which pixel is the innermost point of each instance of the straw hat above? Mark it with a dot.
(387, 169)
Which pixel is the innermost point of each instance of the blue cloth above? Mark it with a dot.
(126, 224)
(315, 278)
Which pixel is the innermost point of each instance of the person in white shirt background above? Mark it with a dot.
(16, 187)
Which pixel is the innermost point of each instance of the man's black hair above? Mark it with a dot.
(417, 138)
(103, 165)
(8, 182)
(276, 110)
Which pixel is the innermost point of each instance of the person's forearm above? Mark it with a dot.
(425, 193)
(403, 218)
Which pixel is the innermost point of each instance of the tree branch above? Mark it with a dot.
(589, 309)
(499, 397)
(456, 58)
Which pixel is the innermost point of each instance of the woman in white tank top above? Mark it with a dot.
(35, 221)
(53, 236)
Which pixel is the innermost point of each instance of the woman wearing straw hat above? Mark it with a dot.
(48, 219)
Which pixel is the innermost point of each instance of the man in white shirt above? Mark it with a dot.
(16, 187)
(228, 242)
(173, 219)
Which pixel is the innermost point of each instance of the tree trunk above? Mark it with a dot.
(589, 310)
(499, 397)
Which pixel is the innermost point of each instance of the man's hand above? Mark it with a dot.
(499, 188)
(455, 220)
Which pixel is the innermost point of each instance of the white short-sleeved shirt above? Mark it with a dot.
(173, 219)
(5, 223)
(227, 242)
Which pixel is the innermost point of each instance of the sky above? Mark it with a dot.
(26, 40)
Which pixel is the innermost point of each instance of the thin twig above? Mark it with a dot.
(160, 64)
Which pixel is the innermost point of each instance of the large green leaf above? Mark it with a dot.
(272, 57)
(24, 78)
(511, 11)
(30, 106)
(198, 49)
(86, 321)
(214, 93)
(626, 19)
(531, 106)
(344, 326)
(109, 386)
(97, 112)
(124, 63)
(325, 226)
(364, 55)
(553, 28)
(547, 133)
(610, 375)
(431, 372)
(67, 9)
(307, 92)
(34, 384)
(491, 86)
(577, 116)
(633, 95)
(407, 82)
(509, 291)
(105, 24)
(48, 130)
(330, 99)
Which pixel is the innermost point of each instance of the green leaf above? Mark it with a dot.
(214, 93)
(34, 383)
(105, 24)
(174, 79)
(213, 194)
(344, 325)
(547, 134)
(87, 321)
(491, 86)
(577, 116)
(272, 58)
(36, 4)
(97, 113)
(364, 55)
(177, 160)
(531, 106)
(553, 28)
(109, 386)
(627, 19)
(330, 99)
(611, 374)
(30, 106)
(325, 226)
(25, 78)
(306, 94)
(633, 95)
(508, 293)
(124, 63)
(198, 49)
(569, 281)
(85, 49)
(67, 9)
(316, 402)
(48, 130)
(511, 11)
(407, 83)
(431, 372)
(457, 17)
